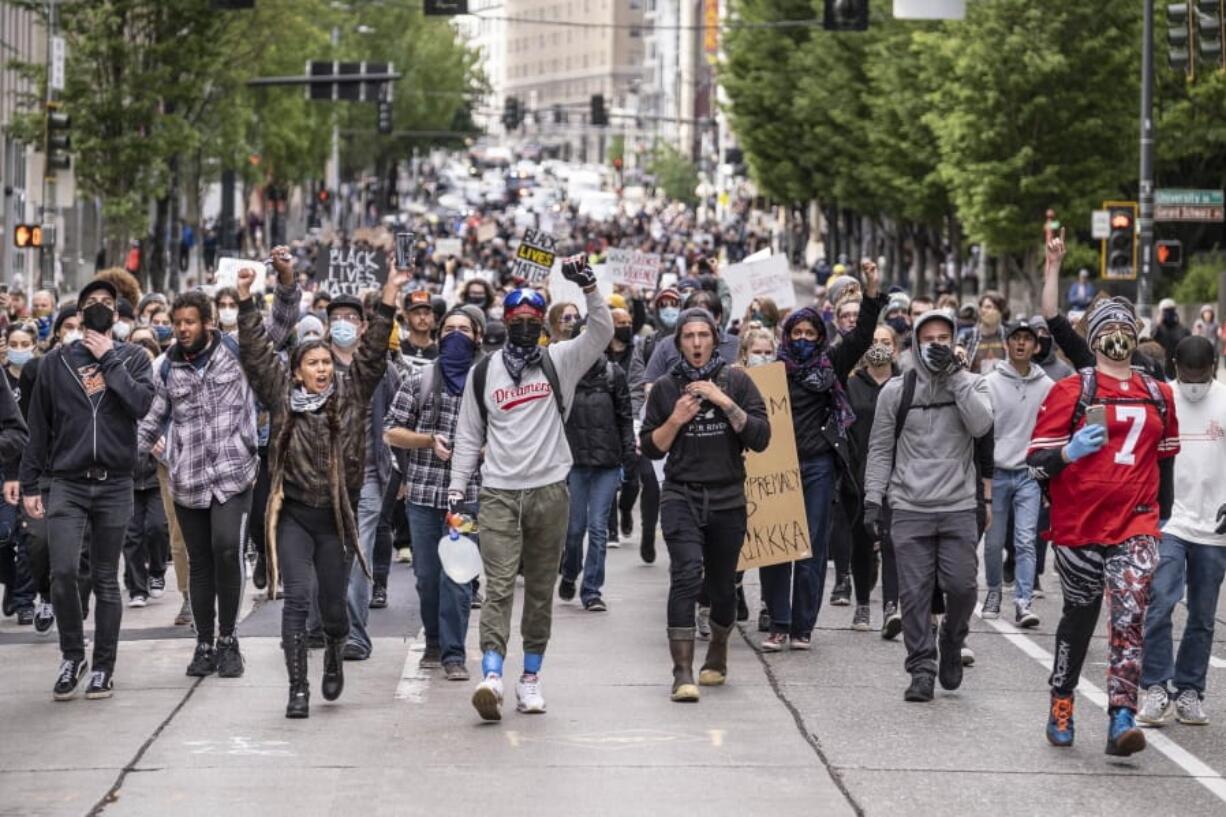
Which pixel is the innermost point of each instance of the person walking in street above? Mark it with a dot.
(422, 419)
(202, 395)
(1098, 441)
(320, 422)
(922, 456)
(1192, 552)
(1018, 387)
(703, 414)
(1169, 332)
(515, 404)
(89, 397)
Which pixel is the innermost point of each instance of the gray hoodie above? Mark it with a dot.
(934, 467)
(1015, 407)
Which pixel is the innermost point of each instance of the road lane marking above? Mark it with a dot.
(413, 679)
(1190, 763)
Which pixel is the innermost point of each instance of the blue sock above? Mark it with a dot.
(491, 661)
(532, 662)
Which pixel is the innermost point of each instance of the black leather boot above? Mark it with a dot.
(299, 705)
(334, 673)
(681, 646)
(715, 669)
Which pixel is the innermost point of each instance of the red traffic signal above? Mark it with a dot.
(1121, 221)
(1169, 253)
(324, 196)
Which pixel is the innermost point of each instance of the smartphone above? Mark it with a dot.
(1097, 416)
(4, 289)
(404, 249)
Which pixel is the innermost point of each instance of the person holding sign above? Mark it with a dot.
(319, 416)
(703, 414)
(821, 418)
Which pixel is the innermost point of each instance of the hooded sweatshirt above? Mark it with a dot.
(1015, 407)
(933, 469)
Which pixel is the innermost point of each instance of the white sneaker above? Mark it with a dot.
(138, 601)
(1188, 709)
(968, 657)
(404, 556)
(1157, 709)
(487, 698)
(528, 692)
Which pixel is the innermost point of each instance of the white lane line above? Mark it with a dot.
(413, 679)
(1216, 662)
(1190, 763)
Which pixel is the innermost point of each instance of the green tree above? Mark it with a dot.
(675, 174)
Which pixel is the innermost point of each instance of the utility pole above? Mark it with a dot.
(50, 208)
(1146, 220)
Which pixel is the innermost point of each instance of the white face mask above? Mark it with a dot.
(72, 335)
(1194, 392)
(757, 360)
(121, 330)
(228, 316)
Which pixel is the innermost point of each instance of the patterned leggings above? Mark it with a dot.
(1124, 572)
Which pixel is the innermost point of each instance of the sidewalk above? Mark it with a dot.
(402, 741)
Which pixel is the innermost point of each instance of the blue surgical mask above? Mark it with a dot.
(163, 332)
(669, 315)
(20, 357)
(344, 334)
(803, 349)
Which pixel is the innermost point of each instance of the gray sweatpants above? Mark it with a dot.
(932, 549)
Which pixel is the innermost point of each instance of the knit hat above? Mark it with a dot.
(309, 325)
(616, 301)
(837, 288)
(1109, 312)
(898, 302)
(474, 314)
(691, 315)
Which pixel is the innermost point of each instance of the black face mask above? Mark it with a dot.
(476, 299)
(524, 334)
(623, 334)
(1044, 347)
(98, 317)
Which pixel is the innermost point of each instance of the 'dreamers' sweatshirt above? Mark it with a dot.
(525, 446)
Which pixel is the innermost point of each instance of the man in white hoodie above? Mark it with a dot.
(1018, 387)
(1192, 552)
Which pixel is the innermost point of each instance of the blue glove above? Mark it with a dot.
(1088, 440)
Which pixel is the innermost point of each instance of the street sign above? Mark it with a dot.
(1100, 224)
(929, 9)
(57, 64)
(1201, 198)
(445, 7)
(1189, 205)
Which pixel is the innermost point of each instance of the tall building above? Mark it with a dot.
(486, 31)
(679, 79)
(555, 69)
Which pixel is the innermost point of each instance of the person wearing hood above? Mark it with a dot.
(1207, 326)
(203, 398)
(1018, 387)
(478, 293)
(422, 420)
(1056, 367)
(1169, 332)
(703, 414)
(922, 454)
(1192, 552)
(821, 419)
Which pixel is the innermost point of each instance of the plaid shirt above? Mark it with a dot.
(211, 442)
(427, 476)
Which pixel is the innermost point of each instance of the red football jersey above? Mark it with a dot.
(1111, 495)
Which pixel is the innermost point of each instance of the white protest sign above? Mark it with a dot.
(768, 278)
(487, 231)
(227, 273)
(633, 268)
(448, 246)
(562, 290)
(534, 257)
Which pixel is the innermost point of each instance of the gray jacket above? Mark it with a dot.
(1015, 408)
(934, 467)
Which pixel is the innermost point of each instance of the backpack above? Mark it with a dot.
(427, 382)
(226, 341)
(1089, 388)
(481, 370)
(905, 404)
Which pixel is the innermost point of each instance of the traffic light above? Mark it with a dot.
(512, 113)
(324, 196)
(27, 236)
(58, 142)
(1169, 253)
(1118, 256)
(846, 15)
(1180, 39)
(1210, 31)
(599, 116)
(385, 116)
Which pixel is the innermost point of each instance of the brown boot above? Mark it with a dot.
(715, 669)
(681, 646)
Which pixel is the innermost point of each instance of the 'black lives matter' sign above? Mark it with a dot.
(350, 269)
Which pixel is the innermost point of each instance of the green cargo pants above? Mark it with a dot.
(527, 526)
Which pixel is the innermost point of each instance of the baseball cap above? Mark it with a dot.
(416, 299)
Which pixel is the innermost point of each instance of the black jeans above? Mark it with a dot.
(840, 537)
(35, 531)
(259, 506)
(864, 562)
(391, 512)
(702, 559)
(308, 547)
(103, 509)
(649, 507)
(146, 547)
(214, 537)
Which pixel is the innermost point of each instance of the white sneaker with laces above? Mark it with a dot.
(528, 693)
(1188, 709)
(487, 698)
(1157, 709)
(138, 601)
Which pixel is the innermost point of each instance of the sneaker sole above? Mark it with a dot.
(800, 646)
(1029, 623)
(891, 629)
(712, 678)
(530, 710)
(989, 615)
(1130, 743)
(1193, 722)
(487, 704)
(1058, 744)
(98, 696)
(685, 694)
(862, 628)
(840, 602)
(65, 696)
(774, 647)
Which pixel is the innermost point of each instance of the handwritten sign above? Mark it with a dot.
(766, 278)
(633, 268)
(778, 529)
(448, 246)
(350, 269)
(487, 231)
(227, 274)
(534, 257)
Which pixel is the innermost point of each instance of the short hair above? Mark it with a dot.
(702, 299)
(1195, 352)
(194, 299)
(998, 301)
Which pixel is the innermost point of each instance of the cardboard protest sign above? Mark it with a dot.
(768, 278)
(350, 269)
(778, 528)
(227, 273)
(534, 257)
(448, 246)
(633, 268)
(487, 231)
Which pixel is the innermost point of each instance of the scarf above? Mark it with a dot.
(455, 358)
(816, 372)
(302, 401)
(707, 371)
(518, 358)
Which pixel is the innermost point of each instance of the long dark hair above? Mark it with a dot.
(333, 413)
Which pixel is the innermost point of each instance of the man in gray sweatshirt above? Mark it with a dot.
(927, 469)
(519, 417)
(1018, 386)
